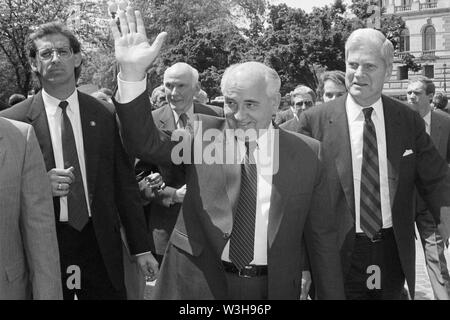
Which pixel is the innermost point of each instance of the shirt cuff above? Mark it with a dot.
(128, 91)
(141, 254)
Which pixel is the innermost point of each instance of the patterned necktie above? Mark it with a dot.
(243, 236)
(370, 202)
(76, 199)
(183, 120)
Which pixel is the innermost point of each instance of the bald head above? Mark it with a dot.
(181, 85)
(255, 71)
(251, 92)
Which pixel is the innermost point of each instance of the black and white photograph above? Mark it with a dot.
(237, 151)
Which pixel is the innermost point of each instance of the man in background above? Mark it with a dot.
(29, 257)
(181, 85)
(419, 94)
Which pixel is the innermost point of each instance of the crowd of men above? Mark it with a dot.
(320, 201)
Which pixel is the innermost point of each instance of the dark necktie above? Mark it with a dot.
(243, 235)
(370, 202)
(76, 199)
(183, 120)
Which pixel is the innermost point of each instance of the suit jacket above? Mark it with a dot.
(440, 132)
(161, 217)
(192, 267)
(440, 135)
(28, 245)
(112, 189)
(423, 168)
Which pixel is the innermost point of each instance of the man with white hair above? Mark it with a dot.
(241, 229)
(376, 151)
(180, 86)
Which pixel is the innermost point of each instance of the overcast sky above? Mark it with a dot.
(306, 5)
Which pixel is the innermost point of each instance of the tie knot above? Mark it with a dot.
(63, 105)
(183, 119)
(367, 113)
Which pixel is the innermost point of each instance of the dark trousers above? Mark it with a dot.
(247, 288)
(81, 249)
(380, 256)
(434, 248)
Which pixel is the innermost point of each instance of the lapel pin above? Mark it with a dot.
(93, 124)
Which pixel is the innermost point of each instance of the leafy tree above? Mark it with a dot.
(17, 19)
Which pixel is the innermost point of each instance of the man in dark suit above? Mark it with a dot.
(419, 94)
(240, 231)
(302, 98)
(376, 152)
(180, 85)
(92, 179)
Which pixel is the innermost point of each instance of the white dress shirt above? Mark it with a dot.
(54, 115)
(128, 91)
(427, 119)
(189, 113)
(264, 150)
(355, 118)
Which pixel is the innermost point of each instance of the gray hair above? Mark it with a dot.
(301, 90)
(272, 79)
(192, 70)
(365, 35)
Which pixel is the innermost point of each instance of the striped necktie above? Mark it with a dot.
(242, 240)
(370, 202)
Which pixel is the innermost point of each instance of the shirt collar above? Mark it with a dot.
(354, 110)
(189, 113)
(52, 104)
(427, 118)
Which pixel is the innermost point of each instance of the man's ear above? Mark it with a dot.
(78, 59)
(197, 87)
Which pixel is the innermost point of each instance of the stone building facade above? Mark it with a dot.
(427, 38)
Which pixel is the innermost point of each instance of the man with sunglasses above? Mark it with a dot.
(302, 98)
(92, 179)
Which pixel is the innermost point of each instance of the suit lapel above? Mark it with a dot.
(166, 119)
(37, 117)
(340, 144)
(435, 129)
(392, 120)
(281, 184)
(90, 123)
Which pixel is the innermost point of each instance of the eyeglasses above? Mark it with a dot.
(64, 53)
(307, 104)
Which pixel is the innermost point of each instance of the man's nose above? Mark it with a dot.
(358, 71)
(55, 56)
(240, 114)
(174, 91)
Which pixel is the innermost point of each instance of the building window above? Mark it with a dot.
(429, 38)
(404, 40)
(428, 71)
(402, 72)
(406, 2)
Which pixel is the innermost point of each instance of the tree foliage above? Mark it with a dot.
(209, 35)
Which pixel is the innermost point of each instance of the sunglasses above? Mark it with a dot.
(306, 103)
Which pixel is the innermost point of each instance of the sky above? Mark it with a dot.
(306, 5)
